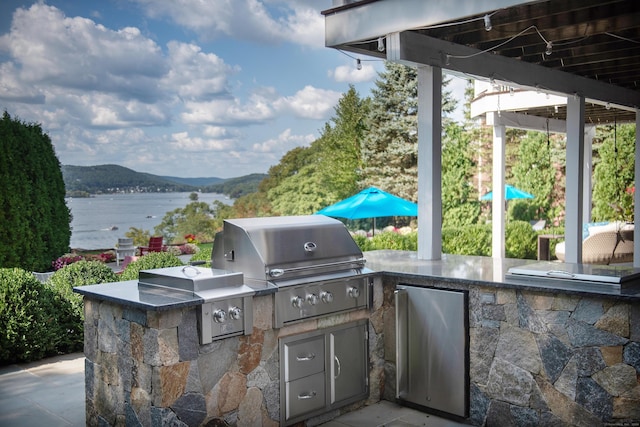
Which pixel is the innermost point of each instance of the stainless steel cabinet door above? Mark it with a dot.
(432, 348)
(348, 361)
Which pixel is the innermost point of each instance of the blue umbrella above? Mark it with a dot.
(510, 192)
(371, 203)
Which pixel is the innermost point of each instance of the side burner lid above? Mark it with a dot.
(190, 278)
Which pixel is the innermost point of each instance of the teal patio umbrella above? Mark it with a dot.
(510, 193)
(371, 203)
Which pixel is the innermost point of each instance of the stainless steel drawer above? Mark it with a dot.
(305, 395)
(303, 358)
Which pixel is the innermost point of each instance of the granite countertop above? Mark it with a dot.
(477, 270)
(130, 294)
(471, 270)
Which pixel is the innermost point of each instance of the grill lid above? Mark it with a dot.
(280, 248)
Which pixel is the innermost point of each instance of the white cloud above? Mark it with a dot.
(229, 112)
(282, 143)
(194, 74)
(251, 20)
(351, 74)
(78, 54)
(310, 103)
(185, 142)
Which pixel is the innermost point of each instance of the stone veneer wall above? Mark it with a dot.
(538, 358)
(147, 368)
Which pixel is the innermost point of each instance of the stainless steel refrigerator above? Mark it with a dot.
(432, 349)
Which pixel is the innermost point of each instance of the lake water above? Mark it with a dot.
(96, 218)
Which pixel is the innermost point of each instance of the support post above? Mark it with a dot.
(497, 188)
(575, 178)
(636, 196)
(429, 162)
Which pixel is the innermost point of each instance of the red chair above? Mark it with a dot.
(155, 245)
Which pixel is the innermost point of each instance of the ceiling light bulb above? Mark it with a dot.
(380, 44)
(487, 23)
(549, 50)
(358, 64)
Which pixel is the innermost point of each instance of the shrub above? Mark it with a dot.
(81, 273)
(520, 240)
(470, 240)
(32, 319)
(148, 262)
(65, 260)
(174, 250)
(387, 240)
(203, 254)
(189, 249)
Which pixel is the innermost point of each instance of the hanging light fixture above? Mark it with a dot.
(358, 64)
(380, 44)
(487, 22)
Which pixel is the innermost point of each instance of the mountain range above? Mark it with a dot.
(100, 179)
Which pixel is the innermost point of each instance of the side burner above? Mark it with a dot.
(227, 308)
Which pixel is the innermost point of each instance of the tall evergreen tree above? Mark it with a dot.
(614, 175)
(534, 173)
(390, 151)
(34, 218)
(459, 206)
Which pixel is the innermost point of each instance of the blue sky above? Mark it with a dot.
(187, 88)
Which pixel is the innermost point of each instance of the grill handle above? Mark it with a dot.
(277, 272)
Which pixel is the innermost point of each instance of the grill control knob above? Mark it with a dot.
(219, 316)
(326, 297)
(297, 302)
(235, 313)
(312, 299)
(354, 292)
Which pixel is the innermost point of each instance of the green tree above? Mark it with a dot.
(35, 220)
(459, 206)
(390, 149)
(328, 170)
(614, 174)
(534, 173)
(195, 218)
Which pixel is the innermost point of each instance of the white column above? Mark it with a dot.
(429, 163)
(574, 181)
(497, 188)
(636, 196)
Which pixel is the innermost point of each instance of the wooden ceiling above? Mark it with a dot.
(594, 39)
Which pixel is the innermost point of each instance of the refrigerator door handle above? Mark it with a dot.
(401, 302)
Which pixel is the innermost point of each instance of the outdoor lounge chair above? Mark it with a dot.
(155, 245)
(605, 246)
(125, 248)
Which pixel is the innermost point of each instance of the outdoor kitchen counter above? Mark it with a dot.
(486, 271)
(129, 294)
(542, 352)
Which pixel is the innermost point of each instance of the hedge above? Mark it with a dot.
(34, 319)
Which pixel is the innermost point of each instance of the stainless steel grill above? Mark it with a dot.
(312, 260)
